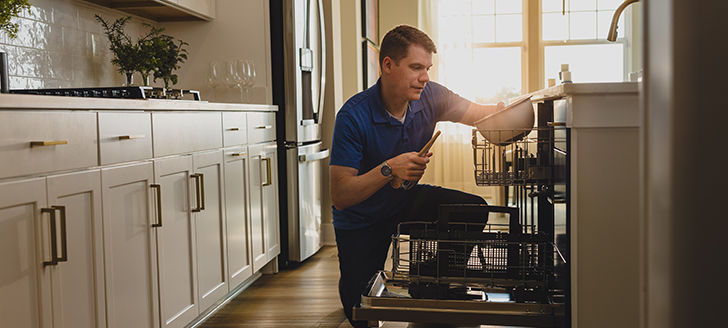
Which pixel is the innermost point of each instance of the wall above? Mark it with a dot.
(351, 61)
(60, 44)
(240, 30)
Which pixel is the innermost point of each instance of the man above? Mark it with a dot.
(377, 135)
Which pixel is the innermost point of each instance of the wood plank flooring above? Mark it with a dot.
(305, 295)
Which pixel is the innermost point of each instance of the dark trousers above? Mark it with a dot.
(362, 252)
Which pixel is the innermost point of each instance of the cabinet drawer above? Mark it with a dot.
(176, 133)
(261, 127)
(234, 129)
(124, 137)
(36, 142)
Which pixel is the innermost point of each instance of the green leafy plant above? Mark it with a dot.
(126, 53)
(8, 9)
(170, 53)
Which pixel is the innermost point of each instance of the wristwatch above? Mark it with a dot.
(386, 170)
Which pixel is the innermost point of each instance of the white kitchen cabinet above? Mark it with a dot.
(42, 285)
(236, 214)
(176, 251)
(25, 282)
(202, 7)
(210, 227)
(78, 280)
(264, 204)
(130, 250)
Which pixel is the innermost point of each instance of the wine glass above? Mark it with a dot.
(250, 77)
(243, 70)
(213, 76)
(232, 78)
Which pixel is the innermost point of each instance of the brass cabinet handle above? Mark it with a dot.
(202, 190)
(233, 129)
(264, 127)
(197, 192)
(159, 204)
(130, 137)
(48, 143)
(268, 181)
(64, 235)
(238, 154)
(54, 249)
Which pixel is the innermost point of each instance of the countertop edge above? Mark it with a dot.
(563, 90)
(30, 102)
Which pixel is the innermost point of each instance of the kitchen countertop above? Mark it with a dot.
(24, 102)
(562, 90)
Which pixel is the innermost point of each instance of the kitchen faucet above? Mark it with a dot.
(612, 36)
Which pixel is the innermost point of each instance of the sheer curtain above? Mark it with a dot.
(450, 24)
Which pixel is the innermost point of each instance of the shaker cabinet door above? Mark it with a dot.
(129, 246)
(176, 242)
(236, 215)
(25, 281)
(78, 279)
(270, 201)
(210, 228)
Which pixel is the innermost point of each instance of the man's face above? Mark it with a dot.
(411, 73)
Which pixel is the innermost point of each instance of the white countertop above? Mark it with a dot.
(18, 101)
(562, 90)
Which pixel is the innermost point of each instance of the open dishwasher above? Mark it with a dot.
(511, 271)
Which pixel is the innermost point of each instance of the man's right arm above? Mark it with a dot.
(348, 188)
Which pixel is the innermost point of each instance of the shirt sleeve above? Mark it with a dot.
(346, 147)
(448, 105)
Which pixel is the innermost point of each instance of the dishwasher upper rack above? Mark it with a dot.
(539, 157)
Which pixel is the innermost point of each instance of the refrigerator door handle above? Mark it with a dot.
(314, 157)
(322, 35)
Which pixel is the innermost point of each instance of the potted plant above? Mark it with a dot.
(126, 53)
(170, 53)
(148, 52)
(8, 9)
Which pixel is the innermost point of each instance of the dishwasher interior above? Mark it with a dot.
(512, 270)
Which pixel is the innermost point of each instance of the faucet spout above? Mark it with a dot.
(612, 36)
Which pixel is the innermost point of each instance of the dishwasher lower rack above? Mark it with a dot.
(538, 157)
(386, 299)
(438, 264)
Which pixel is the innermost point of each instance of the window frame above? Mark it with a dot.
(533, 57)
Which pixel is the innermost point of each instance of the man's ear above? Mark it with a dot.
(387, 63)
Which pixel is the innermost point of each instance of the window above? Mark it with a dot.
(576, 35)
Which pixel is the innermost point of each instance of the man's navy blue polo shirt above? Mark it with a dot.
(365, 135)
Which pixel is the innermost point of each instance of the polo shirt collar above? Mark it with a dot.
(380, 114)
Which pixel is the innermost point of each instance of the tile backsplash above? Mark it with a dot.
(60, 44)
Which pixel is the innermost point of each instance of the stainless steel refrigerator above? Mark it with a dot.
(298, 48)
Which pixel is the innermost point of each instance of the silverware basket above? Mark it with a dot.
(518, 163)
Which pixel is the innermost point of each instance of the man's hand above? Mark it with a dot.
(409, 166)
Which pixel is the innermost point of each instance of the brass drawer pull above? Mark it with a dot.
(233, 129)
(555, 124)
(130, 137)
(48, 143)
(238, 154)
(264, 127)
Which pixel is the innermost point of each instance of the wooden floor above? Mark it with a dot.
(306, 295)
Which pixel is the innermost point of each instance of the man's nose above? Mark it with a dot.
(424, 77)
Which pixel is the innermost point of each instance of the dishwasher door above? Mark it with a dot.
(386, 299)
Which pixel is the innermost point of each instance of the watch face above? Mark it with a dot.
(386, 170)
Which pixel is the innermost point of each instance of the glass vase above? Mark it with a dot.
(129, 79)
